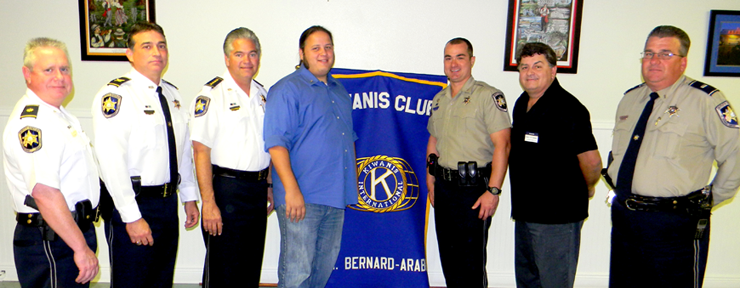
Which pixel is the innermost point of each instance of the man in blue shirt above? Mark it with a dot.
(308, 132)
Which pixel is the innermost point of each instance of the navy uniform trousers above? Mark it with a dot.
(462, 237)
(136, 266)
(234, 258)
(656, 249)
(46, 264)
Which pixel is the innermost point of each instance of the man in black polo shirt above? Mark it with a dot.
(551, 142)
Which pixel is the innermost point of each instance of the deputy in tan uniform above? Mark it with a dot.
(660, 216)
(467, 154)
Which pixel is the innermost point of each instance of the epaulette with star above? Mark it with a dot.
(118, 81)
(214, 82)
(168, 83)
(633, 88)
(30, 111)
(704, 87)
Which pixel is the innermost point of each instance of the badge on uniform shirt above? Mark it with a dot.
(201, 105)
(671, 111)
(500, 101)
(111, 104)
(264, 102)
(727, 115)
(233, 107)
(177, 103)
(531, 137)
(30, 139)
(466, 100)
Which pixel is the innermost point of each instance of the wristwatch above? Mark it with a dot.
(494, 190)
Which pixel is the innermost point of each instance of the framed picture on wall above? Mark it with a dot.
(104, 26)
(556, 23)
(723, 45)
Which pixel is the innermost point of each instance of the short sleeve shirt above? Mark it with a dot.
(545, 143)
(230, 122)
(462, 125)
(46, 145)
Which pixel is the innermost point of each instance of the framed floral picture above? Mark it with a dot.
(104, 26)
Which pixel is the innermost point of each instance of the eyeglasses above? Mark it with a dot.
(662, 55)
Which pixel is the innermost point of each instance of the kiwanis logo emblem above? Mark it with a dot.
(387, 184)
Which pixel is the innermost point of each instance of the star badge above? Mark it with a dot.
(30, 139)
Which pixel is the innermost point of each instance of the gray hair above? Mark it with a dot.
(29, 57)
(672, 31)
(241, 33)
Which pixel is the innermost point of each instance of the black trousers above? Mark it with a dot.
(656, 249)
(462, 237)
(138, 266)
(234, 258)
(46, 264)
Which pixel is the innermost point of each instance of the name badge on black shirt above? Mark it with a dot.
(531, 137)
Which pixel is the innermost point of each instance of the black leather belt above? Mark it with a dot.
(689, 203)
(162, 191)
(83, 217)
(242, 175)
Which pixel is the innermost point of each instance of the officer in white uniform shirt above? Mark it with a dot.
(232, 166)
(142, 142)
(52, 176)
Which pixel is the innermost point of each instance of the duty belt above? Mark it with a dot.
(467, 173)
(697, 204)
(242, 175)
(83, 215)
(689, 203)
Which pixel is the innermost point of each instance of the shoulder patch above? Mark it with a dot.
(30, 111)
(201, 106)
(168, 83)
(500, 101)
(704, 87)
(30, 139)
(727, 115)
(633, 88)
(118, 81)
(111, 104)
(214, 82)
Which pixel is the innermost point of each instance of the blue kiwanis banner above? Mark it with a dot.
(384, 237)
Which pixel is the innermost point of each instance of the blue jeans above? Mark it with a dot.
(309, 248)
(546, 254)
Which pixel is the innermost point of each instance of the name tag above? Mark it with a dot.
(531, 137)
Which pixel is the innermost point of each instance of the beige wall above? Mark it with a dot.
(403, 36)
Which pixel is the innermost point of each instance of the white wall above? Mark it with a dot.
(402, 36)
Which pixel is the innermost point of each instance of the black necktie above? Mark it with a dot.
(627, 168)
(172, 187)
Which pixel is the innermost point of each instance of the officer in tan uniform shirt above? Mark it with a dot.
(468, 152)
(661, 221)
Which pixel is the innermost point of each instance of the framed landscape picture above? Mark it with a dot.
(556, 23)
(723, 44)
(104, 26)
